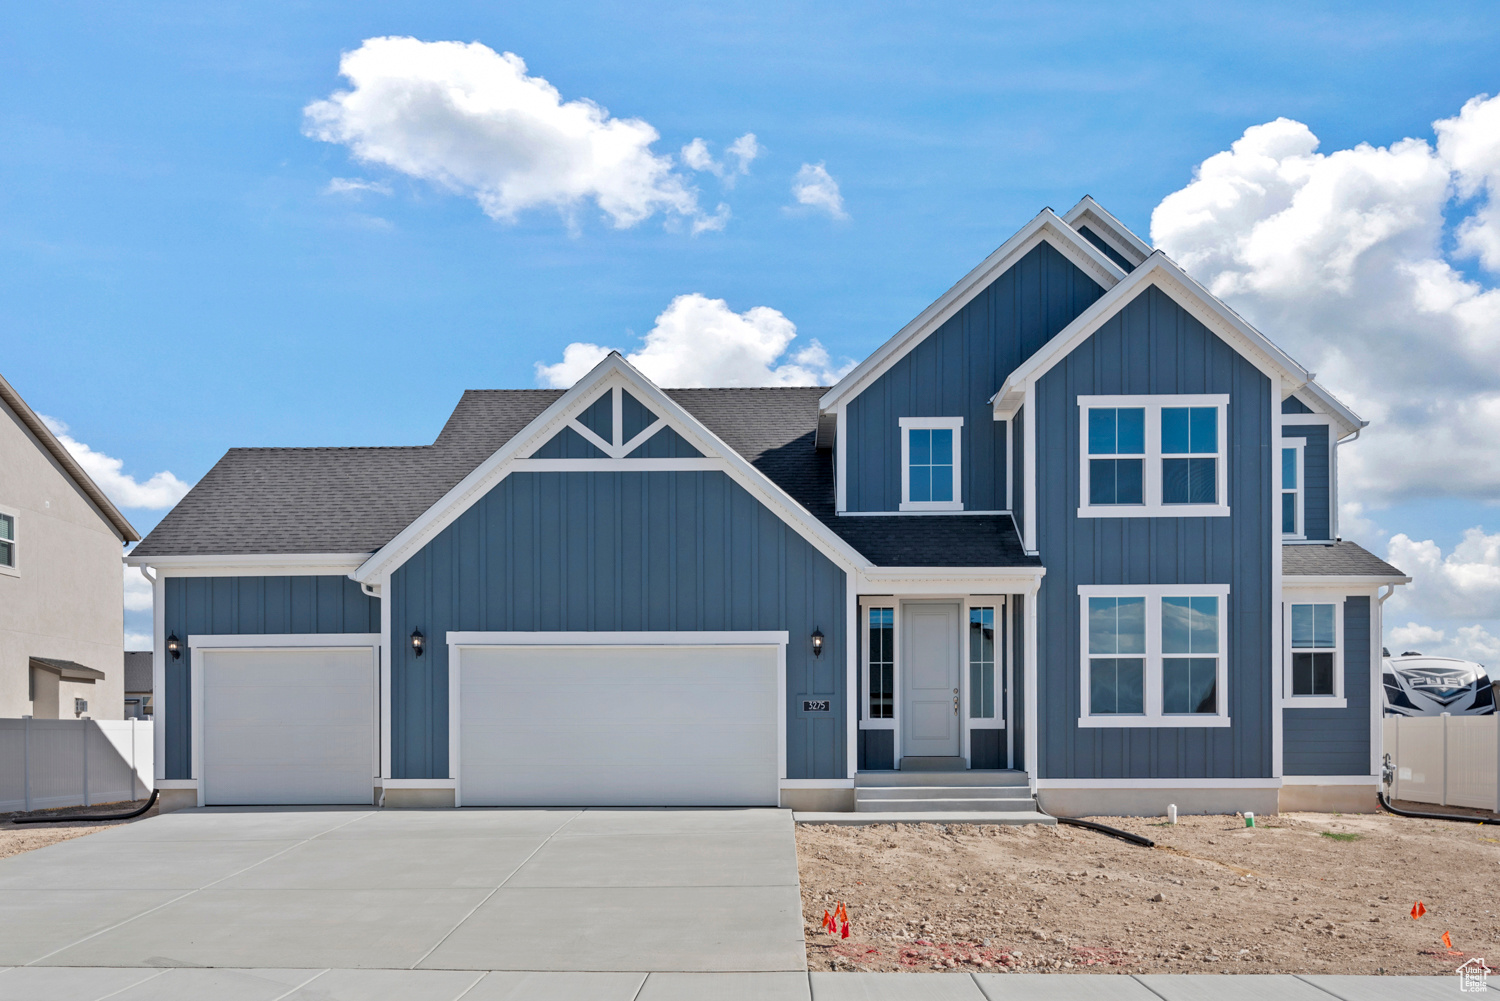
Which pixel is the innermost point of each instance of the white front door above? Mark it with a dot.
(929, 689)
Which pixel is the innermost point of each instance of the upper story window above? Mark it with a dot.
(1153, 456)
(7, 543)
(1314, 631)
(1292, 487)
(1154, 656)
(931, 463)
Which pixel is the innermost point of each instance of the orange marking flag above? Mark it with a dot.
(1417, 910)
(1447, 942)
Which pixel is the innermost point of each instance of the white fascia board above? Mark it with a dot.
(252, 564)
(1090, 213)
(1325, 402)
(1046, 226)
(951, 580)
(1160, 271)
(613, 370)
(1333, 582)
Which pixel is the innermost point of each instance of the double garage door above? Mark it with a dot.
(533, 725)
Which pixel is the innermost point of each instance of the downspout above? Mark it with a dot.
(1377, 684)
(1333, 484)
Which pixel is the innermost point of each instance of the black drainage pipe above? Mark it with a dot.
(1380, 796)
(1113, 832)
(65, 820)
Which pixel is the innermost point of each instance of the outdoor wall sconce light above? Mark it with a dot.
(174, 646)
(817, 638)
(416, 642)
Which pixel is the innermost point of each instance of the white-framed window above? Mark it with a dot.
(1154, 655)
(880, 663)
(932, 463)
(1313, 642)
(1153, 456)
(981, 662)
(8, 556)
(1292, 489)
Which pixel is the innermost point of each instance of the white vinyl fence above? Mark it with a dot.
(1448, 760)
(46, 763)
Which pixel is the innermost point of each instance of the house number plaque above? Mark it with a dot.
(815, 705)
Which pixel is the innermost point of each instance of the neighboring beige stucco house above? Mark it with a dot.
(62, 614)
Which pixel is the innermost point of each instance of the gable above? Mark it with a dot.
(1292, 405)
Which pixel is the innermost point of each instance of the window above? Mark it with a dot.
(1154, 655)
(981, 663)
(1292, 525)
(7, 543)
(931, 463)
(882, 663)
(1314, 647)
(1153, 456)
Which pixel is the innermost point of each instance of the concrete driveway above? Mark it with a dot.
(604, 891)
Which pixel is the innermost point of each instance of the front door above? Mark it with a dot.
(929, 692)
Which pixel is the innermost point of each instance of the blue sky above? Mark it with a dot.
(177, 278)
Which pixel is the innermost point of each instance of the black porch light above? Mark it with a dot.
(417, 642)
(817, 641)
(174, 646)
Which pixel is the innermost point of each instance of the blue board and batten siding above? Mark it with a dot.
(1316, 507)
(1336, 741)
(953, 373)
(204, 606)
(618, 551)
(1154, 346)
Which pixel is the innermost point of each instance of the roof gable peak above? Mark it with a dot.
(1109, 229)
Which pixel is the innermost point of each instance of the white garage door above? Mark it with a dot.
(287, 726)
(618, 726)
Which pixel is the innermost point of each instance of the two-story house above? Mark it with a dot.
(1076, 523)
(62, 605)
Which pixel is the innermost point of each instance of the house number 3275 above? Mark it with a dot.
(815, 705)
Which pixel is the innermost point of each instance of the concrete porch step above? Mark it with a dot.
(943, 792)
(960, 777)
(952, 817)
(934, 805)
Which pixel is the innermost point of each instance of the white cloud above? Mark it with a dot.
(1468, 643)
(1465, 584)
(698, 341)
(743, 151)
(471, 119)
(815, 188)
(137, 641)
(356, 186)
(137, 591)
(162, 490)
(1340, 258)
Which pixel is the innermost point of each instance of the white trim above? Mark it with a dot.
(13, 568)
(1033, 742)
(458, 640)
(954, 424)
(1028, 458)
(996, 604)
(852, 709)
(841, 461)
(1297, 445)
(909, 514)
(685, 464)
(1266, 783)
(387, 652)
(817, 783)
(865, 606)
(282, 641)
(389, 783)
(1357, 582)
(159, 677)
(1337, 700)
(1045, 226)
(1278, 717)
(614, 370)
(242, 643)
(1330, 780)
(1377, 679)
(1152, 679)
(1008, 437)
(933, 582)
(177, 784)
(1161, 272)
(257, 564)
(1113, 232)
(1152, 459)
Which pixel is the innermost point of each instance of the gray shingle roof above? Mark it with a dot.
(138, 676)
(355, 500)
(1334, 559)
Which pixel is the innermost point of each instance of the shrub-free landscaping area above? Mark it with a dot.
(1298, 893)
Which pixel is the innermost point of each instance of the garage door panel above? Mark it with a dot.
(619, 726)
(288, 726)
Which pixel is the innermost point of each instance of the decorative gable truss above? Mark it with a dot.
(613, 419)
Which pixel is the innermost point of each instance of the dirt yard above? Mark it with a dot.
(1299, 893)
(18, 838)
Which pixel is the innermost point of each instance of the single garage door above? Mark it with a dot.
(618, 726)
(288, 726)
